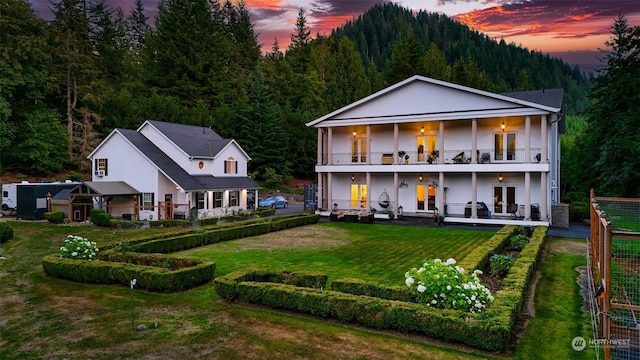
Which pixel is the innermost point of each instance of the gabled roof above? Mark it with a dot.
(195, 141)
(178, 175)
(105, 188)
(549, 97)
(425, 99)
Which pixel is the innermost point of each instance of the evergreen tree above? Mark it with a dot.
(76, 69)
(435, 65)
(25, 69)
(611, 139)
(348, 81)
(405, 60)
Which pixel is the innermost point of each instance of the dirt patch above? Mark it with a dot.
(300, 237)
(568, 246)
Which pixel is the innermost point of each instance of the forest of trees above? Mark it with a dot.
(65, 84)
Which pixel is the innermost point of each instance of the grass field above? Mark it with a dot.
(45, 318)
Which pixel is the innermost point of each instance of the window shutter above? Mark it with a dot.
(95, 165)
(106, 167)
(235, 165)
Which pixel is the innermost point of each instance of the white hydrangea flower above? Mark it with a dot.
(409, 281)
(451, 261)
(421, 288)
(449, 287)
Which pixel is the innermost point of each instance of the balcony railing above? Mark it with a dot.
(451, 156)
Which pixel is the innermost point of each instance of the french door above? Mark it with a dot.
(359, 196)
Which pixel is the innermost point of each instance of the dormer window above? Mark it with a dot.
(230, 166)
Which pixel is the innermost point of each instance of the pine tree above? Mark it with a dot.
(405, 60)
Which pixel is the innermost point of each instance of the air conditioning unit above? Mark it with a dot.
(100, 173)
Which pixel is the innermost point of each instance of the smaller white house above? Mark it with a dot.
(175, 170)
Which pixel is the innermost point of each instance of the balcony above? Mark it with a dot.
(450, 157)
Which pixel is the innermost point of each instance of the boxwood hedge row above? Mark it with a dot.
(223, 233)
(385, 307)
(164, 273)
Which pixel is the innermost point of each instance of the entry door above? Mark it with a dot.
(168, 203)
(359, 196)
(425, 198)
(502, 197)
(426, 144)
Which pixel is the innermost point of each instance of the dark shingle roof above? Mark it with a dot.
(178, 174)
(196, 141)
(547, 97)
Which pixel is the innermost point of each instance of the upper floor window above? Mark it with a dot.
(100, 167)
(358, 150)
(230, 166)
(505, 146)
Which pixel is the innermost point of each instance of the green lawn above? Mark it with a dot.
(44, 318)
(375, 252)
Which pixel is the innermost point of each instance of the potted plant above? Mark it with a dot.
(401, 155)
(433, 157)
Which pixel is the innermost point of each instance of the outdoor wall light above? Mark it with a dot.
(353, 178)
(422, 129)
(503, 125)
(420, 177)
(355, 133)
(500, 178)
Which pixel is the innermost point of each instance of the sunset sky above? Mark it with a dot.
(572, 29)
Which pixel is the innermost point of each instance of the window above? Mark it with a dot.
(358, 150)
(505, 144)
(500, 193)
(147, 201)
(230, 166)
(201, 200)
(234, 198)
(100, 167)
(358, 196)
(217, 199)
(426, 146)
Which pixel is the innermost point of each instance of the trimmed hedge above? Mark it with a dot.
(119, 268)
(225, 232)
(56, 217)
(394, 308)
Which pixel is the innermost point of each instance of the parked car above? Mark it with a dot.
(274, 202)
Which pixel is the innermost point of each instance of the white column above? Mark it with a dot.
(441, 192)
(319, 200)
(543, 196)
(395, 143)
(319, 144)
(544, 140)
(395, 192)
(474, 141)
(368, 177)
(474, 195)
(527, 195)
(329, 192)
(368, 142)
(441, 141)
(527, 139)
(329, 148)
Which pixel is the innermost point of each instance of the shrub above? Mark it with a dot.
(100, 218)
(56, 217)
(579, 210)
(500, 264)
(519, 241)
(79, 248)
(445, 285)
(6, 232)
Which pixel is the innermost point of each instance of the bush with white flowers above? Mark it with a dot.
(445, 285)
(78, 247)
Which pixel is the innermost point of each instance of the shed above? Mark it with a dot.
(115, 197)
(32, 198)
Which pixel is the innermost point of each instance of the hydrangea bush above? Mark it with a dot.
(77, 247)
(445, 285)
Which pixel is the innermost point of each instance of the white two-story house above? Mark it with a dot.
(424, 147)
(174, 169)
